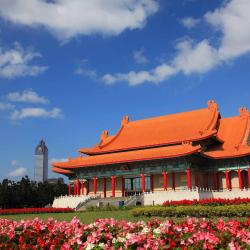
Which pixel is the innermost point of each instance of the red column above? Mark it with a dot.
(152, 182)
(196, 179)
(227, 180)
(95, 184)
(143, 182)
(123, 187)
(173, 180)
(74, 188)
(104, 187)
(78, 186)
(113, 185)
(188, 178)
(248, 175)
(69, 189)
(83, 187)
(240, 179)
(165, 181)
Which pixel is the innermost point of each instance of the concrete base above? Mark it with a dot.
(157, 198)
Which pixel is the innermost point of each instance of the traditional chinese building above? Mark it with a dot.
(194, 150)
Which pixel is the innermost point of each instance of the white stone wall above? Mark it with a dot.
(158, 197)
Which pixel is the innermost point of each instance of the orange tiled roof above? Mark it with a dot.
(233, 132)
(129, 156)
(164, 130)
(61, 171)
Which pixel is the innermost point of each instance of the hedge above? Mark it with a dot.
(242, 210)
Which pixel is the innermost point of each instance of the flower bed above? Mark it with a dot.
(242, 210)
(112, 234)
(210, 202)
(35, 210)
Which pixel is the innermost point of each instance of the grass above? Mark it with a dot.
(91, 216)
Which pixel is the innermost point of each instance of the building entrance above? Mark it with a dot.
(133, 185)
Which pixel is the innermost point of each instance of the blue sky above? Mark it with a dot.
(70, 69)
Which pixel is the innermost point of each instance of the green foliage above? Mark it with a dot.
(107, 207)
(242, 210)
(26, 193)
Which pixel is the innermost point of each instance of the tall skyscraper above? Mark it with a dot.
(41, 162)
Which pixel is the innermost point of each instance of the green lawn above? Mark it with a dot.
(85, 217)
(90, 216)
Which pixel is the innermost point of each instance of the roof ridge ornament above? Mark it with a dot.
(103, 137)
(212, 105)
(125, 120)
(243, 112)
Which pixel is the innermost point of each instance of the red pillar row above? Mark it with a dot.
(165, 181)
(113, 185)
(95, 184)
(83, 187)
(227, 180)
(216, 181)
(188, 178)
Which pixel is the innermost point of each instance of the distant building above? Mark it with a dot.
(55, 180)
(41, 162)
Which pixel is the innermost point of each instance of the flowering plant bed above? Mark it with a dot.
(35, 210)
(210, 202)
(112, 234)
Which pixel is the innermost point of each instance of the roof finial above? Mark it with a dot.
(212, 105)
(104, 135)
(243, 112)
(125, 120)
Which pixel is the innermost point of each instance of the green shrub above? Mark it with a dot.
(242, 210)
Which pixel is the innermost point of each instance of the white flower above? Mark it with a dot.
(102, 245)
(120, 239)
(145, 230)
(90, 246)
(157, 231)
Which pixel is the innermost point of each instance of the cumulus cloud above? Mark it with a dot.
(232, 21)
(28, 96)
(19, 171)
(24, 113)
(139, 57)
(67, 18)
(17, 62)
(6, 106)
(189, 22)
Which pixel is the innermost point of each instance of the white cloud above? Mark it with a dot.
(67, 18)
(57, 160)
(233, 22)
(83, 70)
(19, 172)
(190, 22)
(29, 96)
(6, 106)
(24, 113)
(17, 62)
(139, 57)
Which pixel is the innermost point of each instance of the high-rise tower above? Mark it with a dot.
(41, 162)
